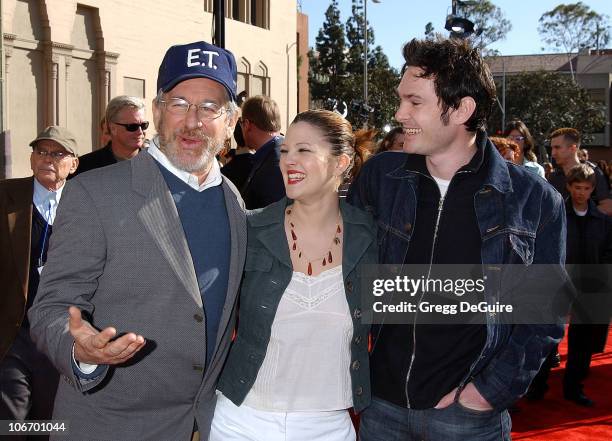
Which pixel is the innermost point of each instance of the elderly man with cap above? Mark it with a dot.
(136, 306)
(27, 212)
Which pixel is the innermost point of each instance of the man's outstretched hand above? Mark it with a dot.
(95, 347)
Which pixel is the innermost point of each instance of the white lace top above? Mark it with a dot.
(306, 367)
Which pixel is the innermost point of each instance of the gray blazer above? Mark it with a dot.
(118, 253)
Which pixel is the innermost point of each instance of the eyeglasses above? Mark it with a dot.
(55, 156)
(134, 126)
(516, 137)
(205, 111)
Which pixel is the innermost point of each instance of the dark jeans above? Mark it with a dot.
(579, 352)
(28, 382)
(384, 421)
(539, 385)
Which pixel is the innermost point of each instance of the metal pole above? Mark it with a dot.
(365, 52)
(219, 21)
(4, 145)
(503, 127)
(287, 49)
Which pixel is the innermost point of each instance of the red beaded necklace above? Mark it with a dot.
(326, 258)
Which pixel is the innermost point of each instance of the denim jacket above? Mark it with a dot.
(267, 273)
(521, 220)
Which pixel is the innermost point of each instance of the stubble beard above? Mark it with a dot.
(191, 164)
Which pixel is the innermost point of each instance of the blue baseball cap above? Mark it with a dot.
(197, 60)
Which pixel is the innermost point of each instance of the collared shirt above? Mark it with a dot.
(46, 201)
(214, 175)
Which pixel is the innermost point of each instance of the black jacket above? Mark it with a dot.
(265, 182)
(589, 254)
(588, 242)
(96, 159)
(239, 169)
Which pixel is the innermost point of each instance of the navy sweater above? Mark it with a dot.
(206, 226)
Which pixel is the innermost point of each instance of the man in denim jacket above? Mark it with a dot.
(447, 382)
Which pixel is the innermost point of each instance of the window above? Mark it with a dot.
(260, 13)
(134, 87)
(255, 12)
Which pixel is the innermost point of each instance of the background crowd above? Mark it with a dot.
(259, 163)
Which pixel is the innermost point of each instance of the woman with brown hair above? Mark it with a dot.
(300, 357)
(518, 132)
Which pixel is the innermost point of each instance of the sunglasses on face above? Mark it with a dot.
(134, 126)
(516, 137)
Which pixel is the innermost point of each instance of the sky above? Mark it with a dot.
(398, 21)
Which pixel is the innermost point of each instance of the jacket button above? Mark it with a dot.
(198, 317)
(349, 286)
(357, 313)
(357, 340)
(355, 365)
(408, 227)
(359, 391)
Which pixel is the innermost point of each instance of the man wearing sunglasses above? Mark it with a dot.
(126, 125)
(28, 380)
(136, 307)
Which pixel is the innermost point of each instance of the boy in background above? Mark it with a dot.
(589, 248)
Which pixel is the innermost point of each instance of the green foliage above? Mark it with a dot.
(383, 80)
(490, 24)
(572, 27)
(429, 31)
(342, 79)
(546, 101)
(489, 21)
(354, 36)
(328, 69)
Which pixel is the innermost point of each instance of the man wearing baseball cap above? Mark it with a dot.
(136, 306)
(27, 212)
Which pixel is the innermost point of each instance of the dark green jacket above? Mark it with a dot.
(267, 273)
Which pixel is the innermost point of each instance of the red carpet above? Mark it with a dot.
(554, 418)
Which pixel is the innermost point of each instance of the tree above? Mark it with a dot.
(355, 38)
(382, 78)
(489, 21)
(328, 64)
(573, 27)
(337, 72)
(429, 31)
(490, 24)
(546, 101)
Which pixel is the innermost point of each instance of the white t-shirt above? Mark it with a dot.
(580, 212)
(442, 185)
